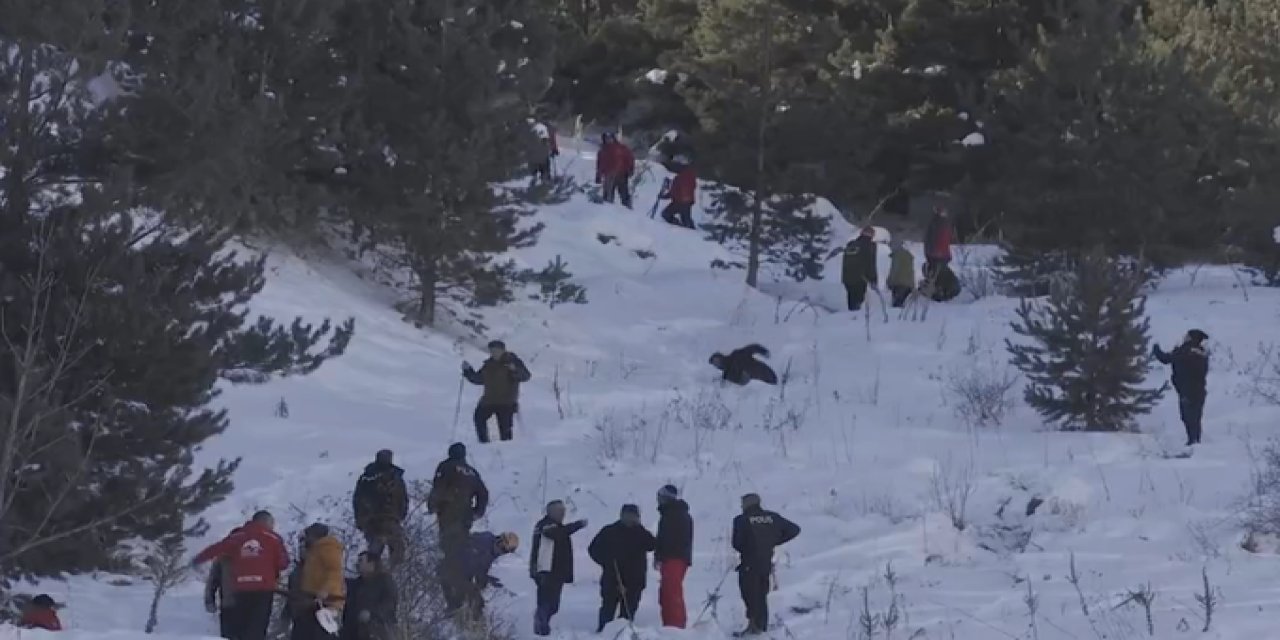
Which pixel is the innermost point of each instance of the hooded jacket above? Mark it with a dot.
(322, 571)
(1190, 367)
(675, 532)
(256, 556)
(501, 379)
(380, 494)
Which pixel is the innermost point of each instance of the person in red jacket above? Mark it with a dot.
(41, 613)
(681, 193)
(256, 555)
(938, 237)
(614, 166)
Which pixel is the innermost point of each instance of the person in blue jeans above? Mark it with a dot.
(551, 563)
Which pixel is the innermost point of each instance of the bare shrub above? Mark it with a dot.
(635, 436)
(950, 488)
(981, 393)
(1261, 514)
(166, 567)
(1263, 374)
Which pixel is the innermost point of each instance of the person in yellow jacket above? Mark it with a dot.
(321, 586)
(902, 273)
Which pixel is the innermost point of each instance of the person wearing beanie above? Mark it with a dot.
(322, 587)
(756, 533)
(381, 503)
(254, 555)
(501, 376)
(40, 613)
(458, 497)
(858, 269)
(674, 555)
(1190, 361)
(622, 551)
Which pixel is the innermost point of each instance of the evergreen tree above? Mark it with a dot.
(555, 284)
(1087, 354)
(117, 324)
(753, 84)
(435, 122)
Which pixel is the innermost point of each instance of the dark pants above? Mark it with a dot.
(857, 293)
(900, 295)
(453, 542)
(249, 616)
(753, 584)
(306, 627)
(679, 213)
(617, 601)
(1191, 407)
(505, 413)
(541, 169)
(549, 589)
(383, 534)
(227, 622)
(619, 187)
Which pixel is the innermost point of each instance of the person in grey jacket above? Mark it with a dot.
(551, 563)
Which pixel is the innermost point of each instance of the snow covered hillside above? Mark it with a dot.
(861, 447)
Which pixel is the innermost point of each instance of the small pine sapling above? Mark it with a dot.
(1087, 351)
(555, 284)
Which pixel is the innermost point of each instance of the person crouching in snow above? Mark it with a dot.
(40, 613)
(902, 273)
(321, 588)
(741, 366)
(858, 269)
(614, 165)
(1190, 362)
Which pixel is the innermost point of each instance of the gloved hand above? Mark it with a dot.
(582, 523)
(466, 366)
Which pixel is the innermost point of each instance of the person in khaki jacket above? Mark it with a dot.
(902, 273)
(321, 585)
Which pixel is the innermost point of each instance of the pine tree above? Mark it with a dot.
(555, 284)
(437, 96)
(753, 83)
(117, 323)
(1087, 354)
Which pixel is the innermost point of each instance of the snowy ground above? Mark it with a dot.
(852, 447)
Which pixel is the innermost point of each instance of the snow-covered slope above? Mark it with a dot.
(856, 447)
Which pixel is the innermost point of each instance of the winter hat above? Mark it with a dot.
(384, 456)
(608, 136)
(869, 231)
(457, 451)
(668, 492)
(630, 508)
(44, 601)
(1197, 336)
(751, 500)
(315, 531)
(497, 344)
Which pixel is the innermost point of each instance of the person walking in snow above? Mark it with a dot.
(1190, 361)
(458, 498)
(902, 273)
(615, 164)
(682, 193)
(622, 551)
(543, 149)
(482, 550)
(381, 503)
(551, 563)
(256, 556)
(219, 594)
(321, 590)
(858, 269)
(673, 555)
(940, 282)
(501, 376)
(372, 601)
(741, 366)
(40, 613)
(756, 533)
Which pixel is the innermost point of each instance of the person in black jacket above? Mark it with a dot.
(551, 563)
(622, 551)
(741, 366)
(1190, 362)
(756, 533)
(219, 596)
(501, 375)
(673, 555)
(858, 269)
(458, 498)
(372, 602)
(381, 503)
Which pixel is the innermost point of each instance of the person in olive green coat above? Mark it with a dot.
(902, 273)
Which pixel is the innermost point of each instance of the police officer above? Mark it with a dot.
(756, 532)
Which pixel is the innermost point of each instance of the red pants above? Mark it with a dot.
(671, 592)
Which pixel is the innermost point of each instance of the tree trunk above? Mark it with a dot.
(427, 298)
(757, 212)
